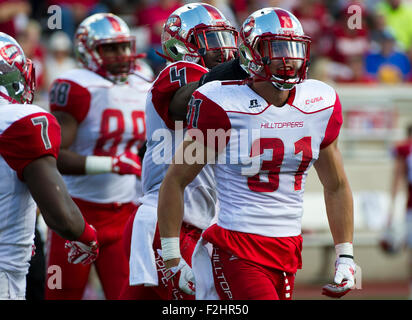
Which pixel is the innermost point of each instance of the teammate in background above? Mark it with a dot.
(257, 240)
(393, 240)
(29, 144)
(101, 111)
(196, 37)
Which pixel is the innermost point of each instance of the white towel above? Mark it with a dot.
(142, 260)
(203, 272)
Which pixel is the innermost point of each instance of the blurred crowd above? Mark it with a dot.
(368, 41)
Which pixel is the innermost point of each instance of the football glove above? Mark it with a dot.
(81, 253)
(127, 163)
(344, 279)
(183, 274)
(86, 249)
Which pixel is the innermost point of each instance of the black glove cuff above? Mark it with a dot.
(346, 256)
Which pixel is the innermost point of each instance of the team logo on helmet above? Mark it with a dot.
(248, 26)
(286, 22)
(173, 25)
(9, 52)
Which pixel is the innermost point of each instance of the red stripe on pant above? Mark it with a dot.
(239, 279)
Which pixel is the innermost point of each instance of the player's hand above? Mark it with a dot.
(127, 163)
(79, 252)
(344, 279)
(393, 238)
(183, 275)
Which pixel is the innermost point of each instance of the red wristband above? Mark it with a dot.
(88, 235)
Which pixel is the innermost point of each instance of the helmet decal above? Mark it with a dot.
(248, 26)
(173, 24)
(213, 12)
(284, 19)
(115, 24)
(9, 52)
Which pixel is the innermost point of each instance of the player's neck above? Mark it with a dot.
(271, 94)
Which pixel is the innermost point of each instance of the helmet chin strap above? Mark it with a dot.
(283, 86)
(280, 86)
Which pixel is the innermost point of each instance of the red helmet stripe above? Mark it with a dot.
(213, 12)
(115, 24)
(284, 19)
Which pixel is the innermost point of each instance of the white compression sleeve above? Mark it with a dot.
(96, 164)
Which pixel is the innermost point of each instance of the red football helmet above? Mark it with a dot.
(100, 29)
(17, 77)
(194, 29)
(270, 35)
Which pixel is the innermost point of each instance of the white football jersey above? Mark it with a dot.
(163, 138)
(268, 153)
(111, 120)
(27, 132)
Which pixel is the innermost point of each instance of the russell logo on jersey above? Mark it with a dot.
(254, 104)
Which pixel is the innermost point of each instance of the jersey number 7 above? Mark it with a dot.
(44, 123)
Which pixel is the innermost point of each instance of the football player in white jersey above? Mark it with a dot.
(100, 108)
(196, 37)
(29, 144)
(273, 129)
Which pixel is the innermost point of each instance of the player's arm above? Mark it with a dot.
(30, 147)
(170, 215)
(197, 150)
(339, 209)
(49, 192)
(59, 211)
(180, 100)
(337, 193)
(171, 204)
(68, 161)
(229, 70)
